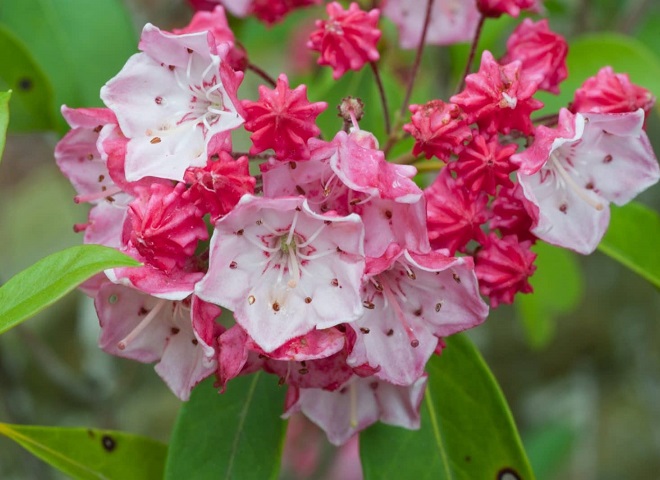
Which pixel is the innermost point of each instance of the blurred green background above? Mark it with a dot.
(580, 365)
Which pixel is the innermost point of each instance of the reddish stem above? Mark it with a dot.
(418, 58)
(383, 97)
(473, 50)
(267, 78)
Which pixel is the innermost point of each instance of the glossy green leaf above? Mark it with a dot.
(43, 283)
(590, 53)
(4, 118)
(467, 430)
(32, 101)
(632, 239)
(84, 453)
(235, 435)
(550, 447)
(80, 44)
(558, 288)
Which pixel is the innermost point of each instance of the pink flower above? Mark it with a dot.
(452, 21)
(358, 404)
(347, 176)
(268, 11)
(610, 92)
(569, 175)
(347, 40)
(163, 227)
(495, 8)
(218, 187)
(498, 98)
(509, 214)
(439, 129)
(484, 164)
(148, 329)
(171, 100)
(542, 53)
(282, 119)
(454, 214)
(410, 300)
(503, 267)
(285, 270)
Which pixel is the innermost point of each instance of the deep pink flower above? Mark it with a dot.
(510, 216)
(541, 51)
(282, 119)
(218, 187)
(451, 21)
(163, 227)
(358, 404)
(503, 267)
(439, 129)
(498, 97)
(570, 174)
(285, 270)
(347, 40)
(484, 164)
(171, 100)
(149, 329)
(610, 92)
(268, 11)
(347, 176)
(495, 8)
(454, 214)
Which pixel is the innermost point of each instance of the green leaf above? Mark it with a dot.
(590, 53)
(84, 453)
(558, 287)
(632, 239)
(467, 431)
(234, 435)
(4, 118)
(79, 44)
(550, 447)
(48, 280)
(32, 100)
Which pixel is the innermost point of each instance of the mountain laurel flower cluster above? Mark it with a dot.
(315, 256)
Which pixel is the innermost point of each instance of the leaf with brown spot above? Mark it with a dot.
(88, 454)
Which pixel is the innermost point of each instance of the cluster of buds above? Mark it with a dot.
(336, 272)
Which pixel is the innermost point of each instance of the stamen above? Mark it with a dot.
(574, 186)
(260, 245)
(316, 255)
(292, 229)
(352, 392)
(90, 197)
(313, 237)
(122, 344)
(389, 295)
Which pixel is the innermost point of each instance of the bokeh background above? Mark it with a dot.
(583, 380)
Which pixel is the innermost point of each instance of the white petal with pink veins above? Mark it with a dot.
(147, 329)
(170, 100)
(285, 270)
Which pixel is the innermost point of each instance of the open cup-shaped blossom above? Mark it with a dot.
(570, 174)
(171, 99)
(285, 270)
